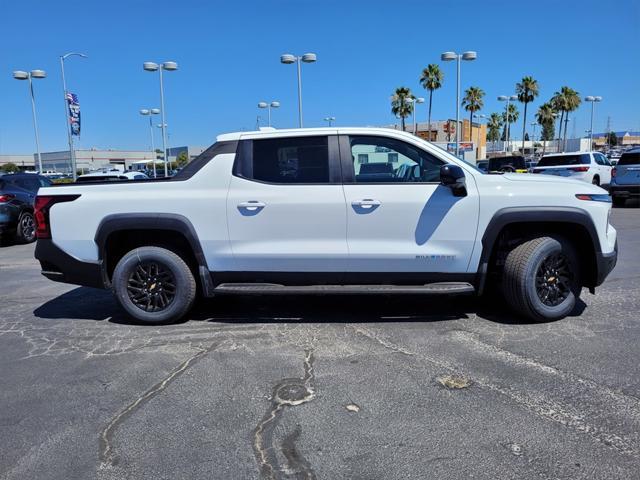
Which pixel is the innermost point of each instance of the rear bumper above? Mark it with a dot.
(605, 263)
(59, 266)
(624, 190)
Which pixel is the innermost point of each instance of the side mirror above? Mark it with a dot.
(452, 176)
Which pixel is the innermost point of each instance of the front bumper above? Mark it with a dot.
(59, 266)
(624, 191)
(605, 263)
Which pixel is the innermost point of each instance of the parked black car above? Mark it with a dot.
(507, 164)
(17, 194)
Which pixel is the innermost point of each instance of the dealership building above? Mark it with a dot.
(95, 159)
(473, 136)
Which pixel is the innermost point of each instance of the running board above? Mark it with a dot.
(440, 288)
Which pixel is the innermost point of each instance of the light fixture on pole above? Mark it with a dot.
(21, 75)
(593, 100)
(152, 67)
(447, 57)
(150, 112)
(507, 117)
(287, 58)
(330, 120)
(72, 153)
(269, 106)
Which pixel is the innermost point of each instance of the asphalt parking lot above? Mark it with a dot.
(318, 387)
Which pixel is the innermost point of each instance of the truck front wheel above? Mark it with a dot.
(154, 285)
(541, 278)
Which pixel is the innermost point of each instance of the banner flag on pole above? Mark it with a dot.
(74, 113)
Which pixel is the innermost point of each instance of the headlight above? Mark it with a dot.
(594, 197)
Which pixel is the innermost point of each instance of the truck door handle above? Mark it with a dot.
(366, 203)
(252, 205)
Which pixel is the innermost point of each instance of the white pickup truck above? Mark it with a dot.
(328, 211)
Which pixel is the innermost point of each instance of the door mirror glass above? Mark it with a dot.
(452, 176)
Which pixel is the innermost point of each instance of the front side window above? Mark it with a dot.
(291, 160)
(392, 161)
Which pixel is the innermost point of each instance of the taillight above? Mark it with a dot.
(614, 172)
(6, 197)
(41, 209)
(579, 169)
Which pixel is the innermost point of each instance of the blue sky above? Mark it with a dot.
(228, 54)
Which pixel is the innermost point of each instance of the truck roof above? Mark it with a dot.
(272, 132)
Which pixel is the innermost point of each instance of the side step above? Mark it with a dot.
(440, 288)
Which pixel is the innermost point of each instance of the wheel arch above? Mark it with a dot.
(519, 223)
(117, 234)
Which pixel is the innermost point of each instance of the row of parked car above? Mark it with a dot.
(622, 177)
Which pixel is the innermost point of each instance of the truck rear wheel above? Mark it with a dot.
(541, 278)
(154, 285)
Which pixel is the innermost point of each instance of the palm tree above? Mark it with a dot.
(546, 119)
(565, 101)
(472, 102)
(494, 124)
(511, 117)
(527, 91)
(573, 102)
(399, 104)
(558, 103)
(431, 79)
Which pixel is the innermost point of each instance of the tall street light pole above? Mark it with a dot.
(415, 102)
(152, 67)
(447, 57)
(287, 58)
(151, 112)
(330, 120)
(21, 75)
(72, 153)
(508, 99)
(269, 106)
(593, 100)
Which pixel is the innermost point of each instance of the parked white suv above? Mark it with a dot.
(324, 211)
(592, 167)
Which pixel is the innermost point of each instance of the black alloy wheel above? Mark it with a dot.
(151, 286)
(554, 280)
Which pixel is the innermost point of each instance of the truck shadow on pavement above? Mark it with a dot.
(90, 304)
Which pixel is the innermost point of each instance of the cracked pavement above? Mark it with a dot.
(318, 387)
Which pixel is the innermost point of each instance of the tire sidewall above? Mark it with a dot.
(551, 247)
(183, 277)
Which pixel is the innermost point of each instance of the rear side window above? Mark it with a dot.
(30, 184)
(558, 160)
(632, 158)
(290, 160)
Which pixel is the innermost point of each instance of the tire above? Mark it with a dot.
(26, 230)
(618, 201)
(164, 296)
(596, 180)
(530, 273)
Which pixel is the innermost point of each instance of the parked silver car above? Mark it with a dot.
(625, 178)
